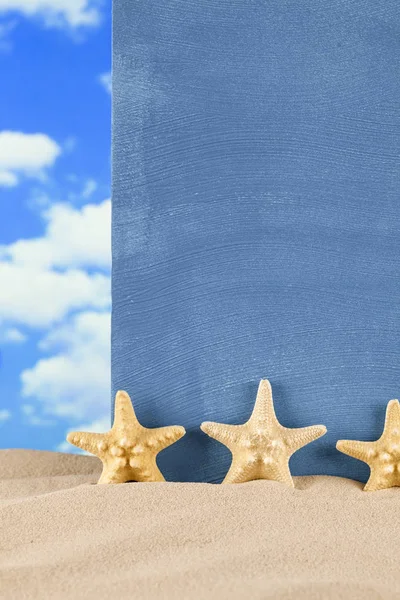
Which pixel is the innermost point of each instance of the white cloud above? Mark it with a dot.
(5, 31)
(73, 238)
(57, 13)
(43, 279)
(24, 154)
(105, 80)
(32, 418)
(75, 381)
(61, 282)
(14, 336)
(8, 179)
(4, 416)
(69, 144)
(89, 188)
(40, 297)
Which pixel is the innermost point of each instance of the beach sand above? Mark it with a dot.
(63, 537)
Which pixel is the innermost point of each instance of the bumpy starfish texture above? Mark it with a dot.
(382, 456)
(128, 451)
(261, 447)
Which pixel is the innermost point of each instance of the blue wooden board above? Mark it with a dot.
(256, 219)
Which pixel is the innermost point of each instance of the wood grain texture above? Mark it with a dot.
(255, 219)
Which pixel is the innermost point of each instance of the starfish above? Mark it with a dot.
(383, 455)
(128, 451)
(261, 447)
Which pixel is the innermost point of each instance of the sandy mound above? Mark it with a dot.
(63, 537)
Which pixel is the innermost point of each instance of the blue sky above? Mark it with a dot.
(55, 213)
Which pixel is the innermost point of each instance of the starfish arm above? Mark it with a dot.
(301, 436)
(91, 442)
(108, 475)
(377, 481)
(392, 418)
(225, 434)
(263, 411)
(283, 475)
(360, 450)
(239, 472)
(153, 473)
(142, 469)
(124, 412)
(166, 436)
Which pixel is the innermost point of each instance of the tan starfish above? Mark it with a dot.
(261, 447)
(128, 451)
(382, 456)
